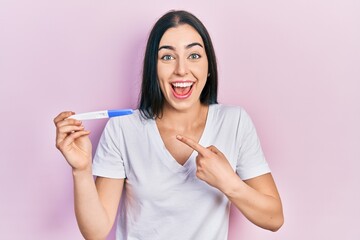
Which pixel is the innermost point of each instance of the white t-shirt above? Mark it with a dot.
(163, 199)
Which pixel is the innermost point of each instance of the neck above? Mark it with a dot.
(186, 119)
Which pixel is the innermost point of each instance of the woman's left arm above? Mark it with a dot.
(257, 198)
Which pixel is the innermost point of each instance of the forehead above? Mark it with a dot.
(181, 35)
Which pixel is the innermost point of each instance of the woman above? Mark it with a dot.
(181, 158)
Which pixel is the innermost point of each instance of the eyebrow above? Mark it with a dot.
(187, 47)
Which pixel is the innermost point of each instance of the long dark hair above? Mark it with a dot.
(151, 97)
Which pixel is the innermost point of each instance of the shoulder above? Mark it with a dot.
(226, 111)
(229, 115)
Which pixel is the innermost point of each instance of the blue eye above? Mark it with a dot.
(194, 56)
(167, 57)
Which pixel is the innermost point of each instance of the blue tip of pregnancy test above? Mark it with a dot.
(119, 112)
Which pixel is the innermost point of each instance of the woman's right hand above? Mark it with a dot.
(73, 142)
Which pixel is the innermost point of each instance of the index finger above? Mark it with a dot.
(191, 143)
(62, 116)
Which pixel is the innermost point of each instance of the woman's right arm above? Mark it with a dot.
(96, 202)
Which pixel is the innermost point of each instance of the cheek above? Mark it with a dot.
(161, 77)
(202, 67)
(161, 83)
(164, 71)
(201, 71)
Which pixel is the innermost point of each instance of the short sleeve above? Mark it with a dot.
(251, 161)
(108, 161)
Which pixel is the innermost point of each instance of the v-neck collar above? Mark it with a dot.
(169, 160)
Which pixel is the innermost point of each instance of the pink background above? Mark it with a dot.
(294, 65)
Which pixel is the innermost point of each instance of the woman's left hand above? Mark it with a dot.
(212, 165)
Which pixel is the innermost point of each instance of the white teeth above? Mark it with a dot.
(182, 84)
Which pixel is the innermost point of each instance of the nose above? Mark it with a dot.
(181, 67)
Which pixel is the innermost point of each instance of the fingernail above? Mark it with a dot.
(179, 137)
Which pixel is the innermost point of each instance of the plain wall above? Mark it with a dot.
(293, 65)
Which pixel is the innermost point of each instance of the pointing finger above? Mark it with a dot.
(213, 149)
(191, 143)
(62, 116)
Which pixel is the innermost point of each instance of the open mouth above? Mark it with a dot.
(182, 89)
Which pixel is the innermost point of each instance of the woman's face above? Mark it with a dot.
(182, 67)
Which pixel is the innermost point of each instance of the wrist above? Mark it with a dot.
(82, 172)
(233, 187)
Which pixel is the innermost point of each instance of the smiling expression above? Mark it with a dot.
(182, 67)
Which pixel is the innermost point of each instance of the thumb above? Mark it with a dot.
(213, 149)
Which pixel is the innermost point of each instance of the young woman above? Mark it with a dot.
(181, 157)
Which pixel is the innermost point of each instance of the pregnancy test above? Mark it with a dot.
(102, 114)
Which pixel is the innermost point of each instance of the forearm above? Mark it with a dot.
(93, 221)
(263, 210)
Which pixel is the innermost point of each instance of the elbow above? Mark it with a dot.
(276, 227)
(277, 220)
(277, 224)
(98, 232)
(94, 236)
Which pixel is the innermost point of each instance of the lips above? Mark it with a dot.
(182, 89)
